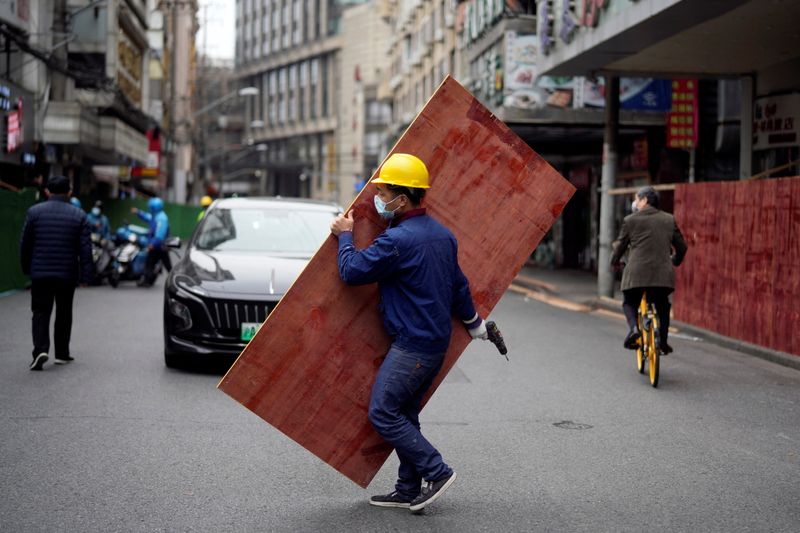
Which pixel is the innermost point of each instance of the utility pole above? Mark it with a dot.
(605, 277)
(172, 153)
(59, 81)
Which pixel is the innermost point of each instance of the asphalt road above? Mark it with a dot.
(565, 437)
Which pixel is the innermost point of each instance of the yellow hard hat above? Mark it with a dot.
(206, 201)
(404, 170)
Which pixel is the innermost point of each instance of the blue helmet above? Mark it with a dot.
(155, 205)
(74, 201)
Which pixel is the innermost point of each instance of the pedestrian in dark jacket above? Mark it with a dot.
(415, 263)
(655, 247)
(56, 252)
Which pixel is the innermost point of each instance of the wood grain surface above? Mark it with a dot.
(741, 276)
(310, 368)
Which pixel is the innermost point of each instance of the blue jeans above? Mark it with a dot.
(394, 407)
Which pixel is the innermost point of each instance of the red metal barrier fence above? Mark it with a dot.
(741, 277)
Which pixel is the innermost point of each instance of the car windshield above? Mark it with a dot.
(264, 230)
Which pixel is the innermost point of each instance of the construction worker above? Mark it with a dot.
(415, 263)
(205, 201)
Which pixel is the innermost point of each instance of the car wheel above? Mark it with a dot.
(171, 360)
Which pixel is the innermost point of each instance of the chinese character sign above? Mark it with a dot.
(776, 122)
(682, 119)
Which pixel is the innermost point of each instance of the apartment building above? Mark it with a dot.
(363, 117)
(288, 50)
(422, 51)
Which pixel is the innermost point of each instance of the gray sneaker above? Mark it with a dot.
(431, 491)
(39, 361)
(390, 500)
(63, 360)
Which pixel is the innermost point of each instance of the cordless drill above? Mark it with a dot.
(496, 338)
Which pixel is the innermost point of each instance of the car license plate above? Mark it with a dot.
(249, 330)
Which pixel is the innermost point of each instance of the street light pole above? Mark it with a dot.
(244, 91)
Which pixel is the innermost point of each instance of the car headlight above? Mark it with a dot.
(181, 312)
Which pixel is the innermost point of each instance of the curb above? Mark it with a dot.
(768, 354)
(548, 293)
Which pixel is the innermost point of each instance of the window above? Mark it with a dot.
(313, 91)
(282, 80)
(285, 27)
(273, 83)
(324, 82)
(276, 27)
(296, 22)
(303, 73)
(372, 143)
(264, 230)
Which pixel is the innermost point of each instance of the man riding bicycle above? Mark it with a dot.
(655, 247)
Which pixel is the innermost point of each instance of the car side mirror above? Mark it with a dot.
(174, 243)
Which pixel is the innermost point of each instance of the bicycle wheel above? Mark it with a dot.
(652, 349)
(641, 351)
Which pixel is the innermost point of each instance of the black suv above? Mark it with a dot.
(241, 259)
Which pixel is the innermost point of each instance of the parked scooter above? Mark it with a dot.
(105, 262)
(131, 252)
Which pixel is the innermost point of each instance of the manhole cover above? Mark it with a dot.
(569, 424)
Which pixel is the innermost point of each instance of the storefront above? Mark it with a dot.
(19, 158)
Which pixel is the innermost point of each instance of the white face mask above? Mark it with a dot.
(633, 207)
(380, 207)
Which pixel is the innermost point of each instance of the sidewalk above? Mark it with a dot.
(576, 290)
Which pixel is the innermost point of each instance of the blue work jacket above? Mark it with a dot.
(415, 263)
(99, 224)
(159, 226)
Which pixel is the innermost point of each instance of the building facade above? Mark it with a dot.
(289, 51)
(363, 118)
(91, 93)
(422, 51)
(704, 41)
(180, 65)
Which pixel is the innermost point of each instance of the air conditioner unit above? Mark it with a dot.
(395, 82)
(438, 35)
(449, 19)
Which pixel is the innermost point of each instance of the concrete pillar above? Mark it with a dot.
(746, 129)
(605, 278)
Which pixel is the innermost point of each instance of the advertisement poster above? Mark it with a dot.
(525, 89)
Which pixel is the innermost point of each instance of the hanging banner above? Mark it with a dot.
(683, 118)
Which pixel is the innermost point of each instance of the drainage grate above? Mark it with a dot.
(569, 424)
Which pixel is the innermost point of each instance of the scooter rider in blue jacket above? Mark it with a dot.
(98, 222)
(159, 230)
(415, 263)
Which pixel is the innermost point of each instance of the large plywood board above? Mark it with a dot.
(310, 368)
(741, 276)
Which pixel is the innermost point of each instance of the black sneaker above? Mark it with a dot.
(39, 361)
(390, 500)
(431, 492)
(665, 348)
(632, 340)
(63, 360)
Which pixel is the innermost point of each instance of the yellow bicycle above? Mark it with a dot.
(648, 349)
